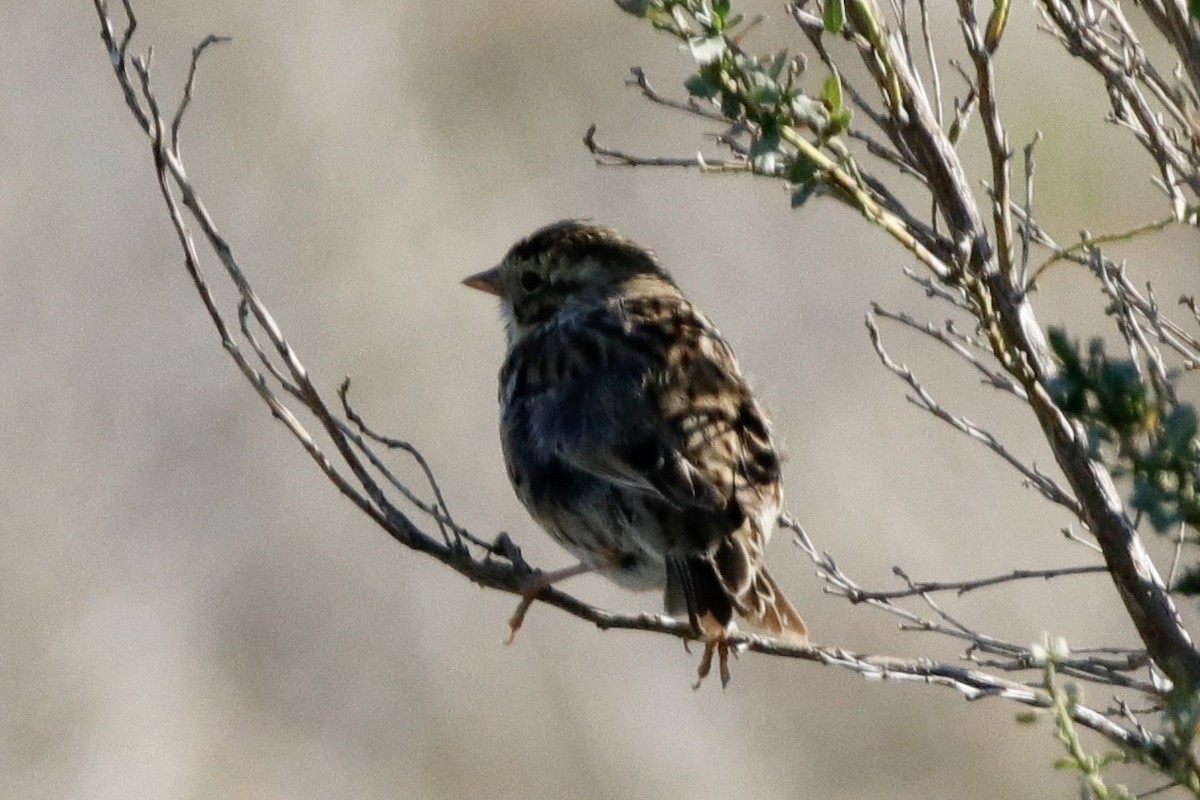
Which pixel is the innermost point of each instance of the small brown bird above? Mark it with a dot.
(630, 434)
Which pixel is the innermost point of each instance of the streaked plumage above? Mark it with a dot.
(629, 432)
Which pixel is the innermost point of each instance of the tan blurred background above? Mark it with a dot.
(189, 610)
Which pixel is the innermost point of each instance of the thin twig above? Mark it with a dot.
(962, 587)
(1179, 540)
(607, 157)
(960, 345)
(1027, 221)
(954, 296)
(638, 78)
(1045, 485)
(1088, 242)
(931, 58)
(190, 84)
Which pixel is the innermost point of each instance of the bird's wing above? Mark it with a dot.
(647, 395)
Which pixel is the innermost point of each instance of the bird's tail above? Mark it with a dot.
(764, 606)
(711, 589)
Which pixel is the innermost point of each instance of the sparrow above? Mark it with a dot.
(631, 436)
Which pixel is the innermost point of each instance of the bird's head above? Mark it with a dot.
(564, 264)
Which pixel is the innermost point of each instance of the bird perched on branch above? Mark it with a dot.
(630, 434)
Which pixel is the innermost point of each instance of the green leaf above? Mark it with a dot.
(1060, 343)
(802, 193)
(1179, 429)
(803, 170)
(762, 91)
(639, 8)
(707, 49)
(1195, 9)
(1069, 388)
(1156, 501)
(835, 15)
(997, 21)
(765, 163)
(699, 86)
(1120, 395)
(831, 92)
(764, 153)
(731, 105)
(810, 113)
(1189, 582)
(839, 122)
(775, 68)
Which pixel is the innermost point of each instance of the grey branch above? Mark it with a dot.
(1014, 656)
(920, 397)
(615, 158)
(962, 587)
(965, 347)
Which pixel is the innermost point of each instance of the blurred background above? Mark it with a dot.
(189, 609)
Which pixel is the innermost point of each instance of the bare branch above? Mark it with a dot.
(931, 60)
(962, 587)
(190, 85)
(1027, 216)
(997, 140)
(1045, 485)
(1015, 656)
(1107, 43)
(1078, 251)
(1179, 540)
(963, 346)
(638, 78)
(933, 289)
(615, 158)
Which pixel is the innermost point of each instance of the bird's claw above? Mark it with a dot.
(532, 590)
(535, 581)
(504, 547)
(722, 649)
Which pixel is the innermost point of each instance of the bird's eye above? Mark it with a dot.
(531, 281)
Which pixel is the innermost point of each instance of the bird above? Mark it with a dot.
(631, 436)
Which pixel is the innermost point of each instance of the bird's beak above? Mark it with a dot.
(486, 281)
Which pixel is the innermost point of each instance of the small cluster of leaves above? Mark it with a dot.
(760, 93)
(1064, 697)
(1182, 713)
(1145, 434)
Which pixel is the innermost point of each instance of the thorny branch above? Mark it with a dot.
(965, 268)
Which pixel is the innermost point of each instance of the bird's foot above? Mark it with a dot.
(504, 547)
(716, 642)
(518, 617)
(536, 583)
(722, 649)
